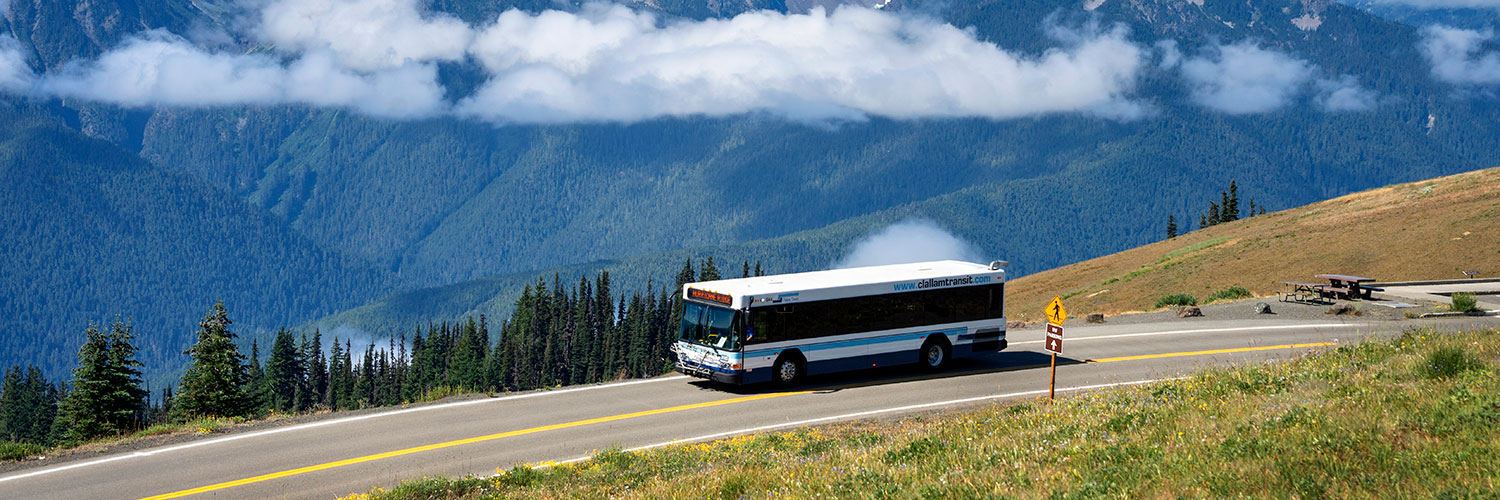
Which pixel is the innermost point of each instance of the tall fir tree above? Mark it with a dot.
(284, 374)
(1232, 203)
(84, 415)
(28, 406)
(709, 271)
(125, 404)
(317, 370)
(1171, 226)
(216, 379)
(14, 412)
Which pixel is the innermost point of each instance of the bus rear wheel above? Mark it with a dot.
(934, 354)
(787, 370)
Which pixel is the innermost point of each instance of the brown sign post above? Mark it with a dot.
(1056, 315)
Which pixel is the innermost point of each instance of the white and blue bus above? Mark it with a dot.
(782, 328)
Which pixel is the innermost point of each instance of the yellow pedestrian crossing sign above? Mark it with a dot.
(1055, 312)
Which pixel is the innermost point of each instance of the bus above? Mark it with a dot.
(783, 328)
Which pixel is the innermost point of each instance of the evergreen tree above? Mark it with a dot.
(746, 272)
(708, 273)
(284, 374)
(1213, 214)
(1202, 221)
(1232, 203)
(1171, 226)
(214, 384)
(758, 272)
(83, 413)
(125, 404)
(258, 387)
(14, 413)
(28, 405)
(317, 370)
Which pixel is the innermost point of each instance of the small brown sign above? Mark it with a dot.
(1054, 338)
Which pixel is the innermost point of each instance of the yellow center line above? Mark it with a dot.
(1214, 351)
(659, 411)
(478, 439)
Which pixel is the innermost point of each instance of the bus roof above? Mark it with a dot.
(836, 283)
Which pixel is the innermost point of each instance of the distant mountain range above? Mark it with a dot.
(292, 211)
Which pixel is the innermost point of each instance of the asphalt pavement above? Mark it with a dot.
(338, 456)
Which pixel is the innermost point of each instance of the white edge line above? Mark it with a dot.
(854, 415)
(1209, 330)
(310, 425)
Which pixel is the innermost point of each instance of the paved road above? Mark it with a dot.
(335, 457)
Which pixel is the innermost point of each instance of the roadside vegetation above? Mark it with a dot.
(1228, 294)
(1463, 302)
(1176, 299)
(1417, 416)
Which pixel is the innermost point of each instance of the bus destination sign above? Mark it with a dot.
(722, 298)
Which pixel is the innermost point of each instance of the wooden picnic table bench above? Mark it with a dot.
(1346, 286)
(1301, 291)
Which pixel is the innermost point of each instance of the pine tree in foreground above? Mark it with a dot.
(214, 384)
(107, 398)
(1171, 226)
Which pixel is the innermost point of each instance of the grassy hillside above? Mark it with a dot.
(1415, 417)
(1433, 229)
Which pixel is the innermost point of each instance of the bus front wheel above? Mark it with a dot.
(934, 353)
(787, 370)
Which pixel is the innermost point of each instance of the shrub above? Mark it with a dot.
(1232, 293)
(1464, 302)
(1177, 299)
(18, 451)
(1445, 362)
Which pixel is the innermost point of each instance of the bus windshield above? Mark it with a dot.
(709, 325)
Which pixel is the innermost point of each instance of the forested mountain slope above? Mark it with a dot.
(437, 200)
(92, 231)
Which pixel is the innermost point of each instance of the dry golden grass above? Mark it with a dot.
(1433, 229)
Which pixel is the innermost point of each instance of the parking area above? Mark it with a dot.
(1486, 291)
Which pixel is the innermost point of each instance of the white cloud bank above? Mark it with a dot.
(1344, 94)
(911, 240)
(1244, 78)
(15, 75)
(1457, 55)
(161, 69)
(608, 63)
(365, 35)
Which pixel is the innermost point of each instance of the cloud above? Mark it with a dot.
(365, 35)
(15, 74)
(1455, 55)
(1344, 94)
(1170, 55)
(609, 63)
(158, 68)
(1244, 78)
(911, 240)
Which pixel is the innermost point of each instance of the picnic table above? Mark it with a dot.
(1348, 287)
(1339, 286)
(1301, 291)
